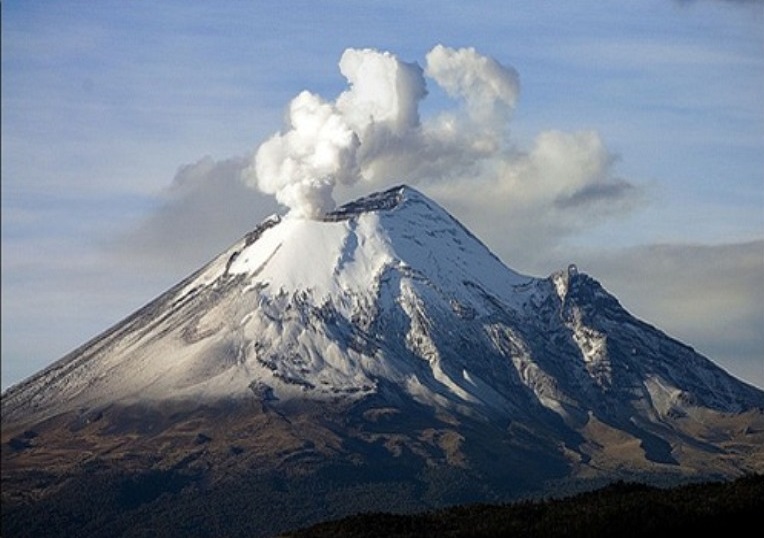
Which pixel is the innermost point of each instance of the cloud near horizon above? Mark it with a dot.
(708, 296)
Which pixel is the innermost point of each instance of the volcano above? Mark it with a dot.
(378, 358)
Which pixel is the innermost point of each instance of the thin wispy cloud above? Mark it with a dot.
(206, 207)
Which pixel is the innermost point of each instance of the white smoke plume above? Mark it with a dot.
(384, 91)
(372, 133)
(322, 143)
(302, 165)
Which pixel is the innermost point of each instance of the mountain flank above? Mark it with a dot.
(379, 358)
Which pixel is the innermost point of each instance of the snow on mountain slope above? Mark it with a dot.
(388, 290)
(290, 309)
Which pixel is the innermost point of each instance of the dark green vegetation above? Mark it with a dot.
(620, 509)
(167, 504)
(108, 503)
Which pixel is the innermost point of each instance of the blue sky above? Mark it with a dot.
(126, 125)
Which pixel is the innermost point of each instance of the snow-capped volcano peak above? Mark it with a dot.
(386, 291)
(348, 250)
(382, 344)
(381, 340)
(305, 308)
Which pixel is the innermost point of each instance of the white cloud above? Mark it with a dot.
(489, 89)
(384, 91)
(327, 143)
(372, 134)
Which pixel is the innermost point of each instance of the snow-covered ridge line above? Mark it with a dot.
(388, 290)
(379, 201)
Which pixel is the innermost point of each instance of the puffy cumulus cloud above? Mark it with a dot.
(382, 106)
(383, 91)
(488, 88)
(372, 135)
